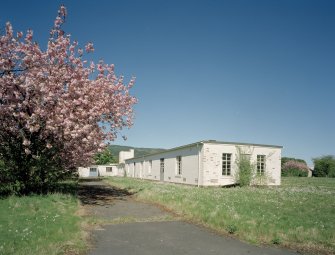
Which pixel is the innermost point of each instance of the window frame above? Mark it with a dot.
(93, 171)
(226, 164)
(261, 164)
(161, 165)
(179, 165)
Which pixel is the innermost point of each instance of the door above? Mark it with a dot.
(93, 172)
(161, 169)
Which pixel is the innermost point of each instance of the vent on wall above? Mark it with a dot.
(169, 178)
(184, 179)
(214, 180)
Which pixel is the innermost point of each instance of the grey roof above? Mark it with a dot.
(207, 141)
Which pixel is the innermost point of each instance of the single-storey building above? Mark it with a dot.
(107, 170)
(208, 163)
(99, 170)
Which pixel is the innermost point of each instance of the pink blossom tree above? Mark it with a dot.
(295, 168)
(56, 109)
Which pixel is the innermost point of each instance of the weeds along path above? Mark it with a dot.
(129, 227)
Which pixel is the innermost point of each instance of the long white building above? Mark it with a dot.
(207, 163)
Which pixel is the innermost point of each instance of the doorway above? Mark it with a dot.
(161, 169)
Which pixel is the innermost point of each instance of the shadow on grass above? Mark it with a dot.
(69, 186)
(66, 187)
(92, 191)
(89, 179)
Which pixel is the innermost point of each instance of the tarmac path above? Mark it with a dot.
(134, 228)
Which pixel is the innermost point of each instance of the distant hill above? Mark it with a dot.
(139, 152)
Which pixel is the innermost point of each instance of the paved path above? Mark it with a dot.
(142, 229)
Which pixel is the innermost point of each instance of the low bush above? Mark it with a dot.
(245, 169)
(295, 168)
(231, 229)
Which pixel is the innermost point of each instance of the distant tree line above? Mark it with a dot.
(323, 167)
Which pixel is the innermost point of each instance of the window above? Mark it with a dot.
(260, 164)
(178, 165)
(150, 166)
(162, 164)
(109, 169)
(226, 164)
(93, 169)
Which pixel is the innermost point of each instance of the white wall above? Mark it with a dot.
(101, 170)
(210, 164)
(83, 171)
(123, 155)
(189, 159)
(211, 173)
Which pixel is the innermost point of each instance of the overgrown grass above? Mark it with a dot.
(39, 224)
(299, 214)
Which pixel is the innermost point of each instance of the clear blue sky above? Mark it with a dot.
(241, 71)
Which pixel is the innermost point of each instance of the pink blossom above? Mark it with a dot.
(58, 22)
(55, 97)
(89, 47)
(293, 164)
(9, 29)
(62, 11)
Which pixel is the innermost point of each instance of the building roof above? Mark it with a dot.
(207, 141)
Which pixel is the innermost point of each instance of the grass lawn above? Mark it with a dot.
(40, 224)
(300, 214)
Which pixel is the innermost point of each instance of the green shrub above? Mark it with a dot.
(22, 176)
(245, 169)
(324, 166)
(295, 168)
(276, 240)
(292, 172)
(231, 229)
(105, 157)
